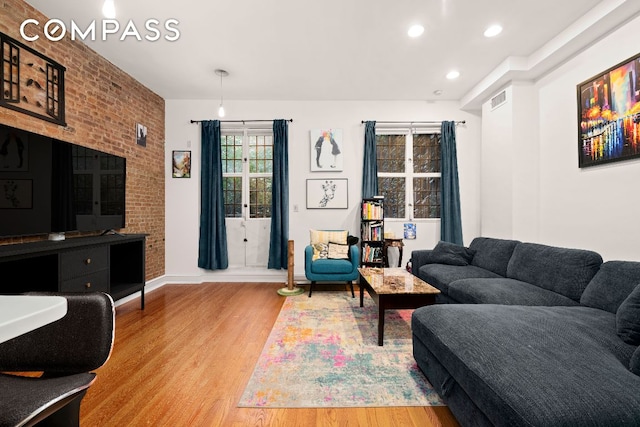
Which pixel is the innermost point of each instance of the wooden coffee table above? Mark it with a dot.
(394, 288)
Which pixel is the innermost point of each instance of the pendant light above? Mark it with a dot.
(221, 73)
(109, 9)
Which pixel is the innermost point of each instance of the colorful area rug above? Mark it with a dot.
(323, 352)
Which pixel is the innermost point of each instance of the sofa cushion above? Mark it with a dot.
(492, 254)
(320, 251)
(562, 270)
(613, 282)
(326, 236)
(628, 318)
(441, 275)
(331, 266)
(634, 364)
(338, 251)
(535, 366)
(451, 254)
(504, 291)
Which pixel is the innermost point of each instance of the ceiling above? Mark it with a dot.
(344, 49)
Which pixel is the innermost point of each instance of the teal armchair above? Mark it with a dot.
(332, 270)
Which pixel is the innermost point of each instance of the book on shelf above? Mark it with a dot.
(372, 231)
(372, 254)
(371, 210)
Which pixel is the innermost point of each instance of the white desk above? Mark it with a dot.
(20, 314)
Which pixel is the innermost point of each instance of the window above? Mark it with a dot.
(409, 173)
(247, 166)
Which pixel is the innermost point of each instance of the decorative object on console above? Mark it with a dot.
(327, 193)
(609, 115)
(181, 164)
(31, 82)
(326, 150)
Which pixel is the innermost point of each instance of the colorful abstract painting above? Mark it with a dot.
(609, 115)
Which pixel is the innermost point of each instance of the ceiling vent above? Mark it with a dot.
(498, 100)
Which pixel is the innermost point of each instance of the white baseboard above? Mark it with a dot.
(260, 275)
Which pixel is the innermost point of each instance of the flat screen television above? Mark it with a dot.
(51, 186)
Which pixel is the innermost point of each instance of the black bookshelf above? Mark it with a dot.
(372, 232)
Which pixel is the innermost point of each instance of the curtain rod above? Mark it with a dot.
(412, 123)
(238, 121)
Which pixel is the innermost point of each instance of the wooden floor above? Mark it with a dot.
(186, 359)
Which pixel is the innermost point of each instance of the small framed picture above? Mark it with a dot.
(141, 134)
(181, 164)
(327, 193)
(410, 231)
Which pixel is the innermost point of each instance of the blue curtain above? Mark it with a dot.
(450, 220)
(370, 164)
(212, 248)
(279, 197)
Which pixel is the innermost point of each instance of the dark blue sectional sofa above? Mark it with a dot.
(530, 334)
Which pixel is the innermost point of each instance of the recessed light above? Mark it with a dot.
(415, 31)
(493, 31)
(453, 74)
(437, 92)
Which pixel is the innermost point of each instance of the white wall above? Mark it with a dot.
(182, 195)
(510, 165)
(594, 208)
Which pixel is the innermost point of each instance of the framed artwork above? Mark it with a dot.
(327, 193)
(16, 194)
(410, 231)
(181, 164)
(141, 135)
(609, 115)
(326, 150)
(32, 83)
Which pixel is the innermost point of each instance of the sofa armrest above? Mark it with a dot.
(79, 342)
(419, 258)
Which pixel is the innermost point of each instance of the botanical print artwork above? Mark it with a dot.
(326, 150)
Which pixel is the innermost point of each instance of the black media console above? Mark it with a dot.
(114, 264)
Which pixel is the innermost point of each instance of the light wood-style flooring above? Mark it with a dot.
(186, 359)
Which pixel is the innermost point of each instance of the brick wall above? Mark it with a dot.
(103, 105)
